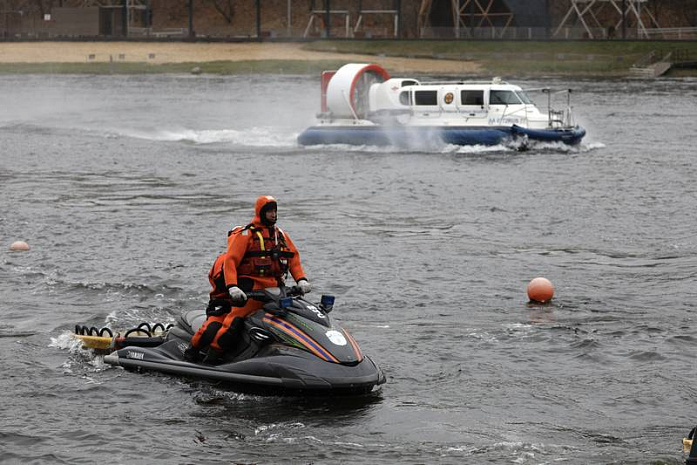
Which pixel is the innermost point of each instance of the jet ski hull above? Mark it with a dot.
(284, 371)
(291, 346)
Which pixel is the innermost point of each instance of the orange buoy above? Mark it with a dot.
(19, 246)
(540, 290)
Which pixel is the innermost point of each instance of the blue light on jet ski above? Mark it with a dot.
(286, 302)
(327, 301)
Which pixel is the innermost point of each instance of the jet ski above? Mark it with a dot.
(290, 346)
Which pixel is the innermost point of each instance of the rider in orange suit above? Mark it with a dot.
(218, 307)
(258, 256)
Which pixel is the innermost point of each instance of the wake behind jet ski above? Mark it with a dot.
(290, 346)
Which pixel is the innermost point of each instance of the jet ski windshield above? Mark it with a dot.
(281, 300)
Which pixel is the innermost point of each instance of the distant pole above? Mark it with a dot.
(472, 24)
(290, 19)
(124, 18)
(259, 19)
(192, 34)
(327, 19)
(456, 17)
(548, 19)
(624, 19)
(398, 7)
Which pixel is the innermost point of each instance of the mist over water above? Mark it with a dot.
(125, 188)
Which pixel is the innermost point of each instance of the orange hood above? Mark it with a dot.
(262, 202)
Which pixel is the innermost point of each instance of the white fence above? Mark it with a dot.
(566, 33)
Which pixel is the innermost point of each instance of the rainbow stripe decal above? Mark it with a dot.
(354, 344)
(297, 334)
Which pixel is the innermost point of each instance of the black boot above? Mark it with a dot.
(213, 357)
(192, 354)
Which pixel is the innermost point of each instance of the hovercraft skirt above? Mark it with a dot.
(431, 135)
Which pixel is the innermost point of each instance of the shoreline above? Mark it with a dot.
(480, 59)
(53, 54)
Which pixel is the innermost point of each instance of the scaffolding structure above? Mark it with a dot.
(394, 13)
(475, 14)
(470, 14)
(320, 19)
(587, 13)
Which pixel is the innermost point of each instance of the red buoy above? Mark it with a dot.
(540, 290)
(19, 246)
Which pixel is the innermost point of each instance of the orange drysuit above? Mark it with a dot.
(258, 256)
(218, 306)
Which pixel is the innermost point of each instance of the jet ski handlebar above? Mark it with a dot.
(274, 293)
(278, 299)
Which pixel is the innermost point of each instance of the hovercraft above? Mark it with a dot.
(362, 105)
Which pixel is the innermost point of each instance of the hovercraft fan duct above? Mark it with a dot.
(347, 91)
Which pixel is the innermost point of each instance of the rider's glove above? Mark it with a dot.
(239, 298)
(304, 285)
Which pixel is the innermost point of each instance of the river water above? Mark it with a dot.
(125, 187)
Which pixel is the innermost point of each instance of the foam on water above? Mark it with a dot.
(66, 341)
(253, 137)
(81, 359)
(475, 149)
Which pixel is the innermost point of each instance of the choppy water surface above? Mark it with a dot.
(125, 188)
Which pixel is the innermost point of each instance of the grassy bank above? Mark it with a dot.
(505, 58)
(520, 58)
(208, 67)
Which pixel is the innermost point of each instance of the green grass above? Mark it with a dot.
(521, 57)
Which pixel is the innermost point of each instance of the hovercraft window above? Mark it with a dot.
(426, 97)
(405, 98)
(503, 97)
(523, 96)
(472, 97)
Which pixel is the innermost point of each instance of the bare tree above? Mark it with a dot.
(43, 6)
(28, 7)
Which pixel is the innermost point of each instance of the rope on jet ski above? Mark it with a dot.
(145, 328)
(145, 335)
(149, 331)
(93, 331)
(162, 327)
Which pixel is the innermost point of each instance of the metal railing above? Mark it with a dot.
(566, 33)
(158, 33)
(673, 33)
